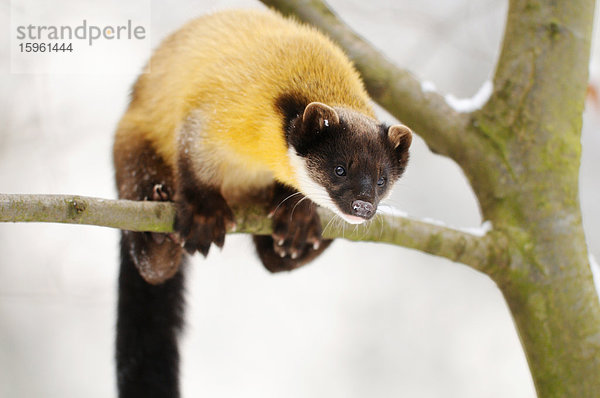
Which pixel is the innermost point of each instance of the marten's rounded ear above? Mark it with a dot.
(400, 136)
(318, 115)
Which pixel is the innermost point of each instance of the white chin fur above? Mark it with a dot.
(350, 219)
(315, 191)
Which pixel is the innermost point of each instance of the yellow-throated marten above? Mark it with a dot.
(238, 104)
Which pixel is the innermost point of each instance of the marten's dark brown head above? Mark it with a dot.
(344, 160)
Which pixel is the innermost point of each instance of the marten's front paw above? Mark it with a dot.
(204, 222)
(296, 238)
(296, 229)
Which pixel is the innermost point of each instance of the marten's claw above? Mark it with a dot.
(203, 223)
(160, 193)
(296, 229)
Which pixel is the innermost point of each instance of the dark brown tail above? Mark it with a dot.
(150, 318)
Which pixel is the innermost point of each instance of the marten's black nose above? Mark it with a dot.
(363, 209)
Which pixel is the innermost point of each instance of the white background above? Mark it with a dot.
(364, 320)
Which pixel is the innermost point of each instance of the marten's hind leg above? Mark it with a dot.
(143, 175)
(150, 308)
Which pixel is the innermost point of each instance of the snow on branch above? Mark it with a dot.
(482, 252)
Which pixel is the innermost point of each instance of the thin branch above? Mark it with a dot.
(74, 209)
(397, 90)
(480, 252)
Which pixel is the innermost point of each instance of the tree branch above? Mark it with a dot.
(74, 209)
(397, 90)
(483, 253)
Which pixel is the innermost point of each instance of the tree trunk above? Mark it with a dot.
(521, 154)
(533, 123)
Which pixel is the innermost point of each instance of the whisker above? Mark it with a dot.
(366, 227)
(330, 222)
(380, 217)
(296, 205)
(280, 203)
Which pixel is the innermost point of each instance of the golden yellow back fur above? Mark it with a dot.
(226, 71)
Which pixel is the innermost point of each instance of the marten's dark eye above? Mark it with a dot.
(381, 181)
(340, 171)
